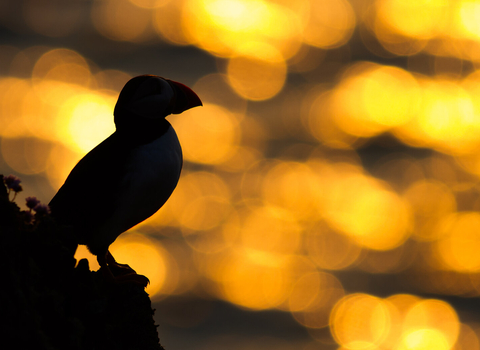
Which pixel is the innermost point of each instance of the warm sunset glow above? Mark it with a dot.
(12, 124)
(219, 25)
(150, 4)
(215, 89)
(431, 202)
(257, 73)
(62, 65)
(398, 305)
(419, 19)
(26, 156)
(82, 252)
(424, 339)
(87, 119)
(211, 134)
(294, 187)
(369, 90)
(448, 117)
(331, 250)
(360, 321)
(434, 315)
(313, 297)
(61, 161)
(460, 242)
(469, 13)
(270, 229)
(201, 202)
(406, 27)
(167, 22)
(366, 210)
(147, 258)
(305, 291)
(120, 20)
(467, 339)
(437, 113)
(254, 280)
(330, 24)
(336, 151)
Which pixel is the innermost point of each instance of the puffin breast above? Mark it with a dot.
(153, 174)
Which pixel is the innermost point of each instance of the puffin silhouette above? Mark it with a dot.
(130, 175)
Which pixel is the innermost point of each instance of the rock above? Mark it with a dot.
(50, 302)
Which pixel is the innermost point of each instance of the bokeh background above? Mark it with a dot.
(330, 194)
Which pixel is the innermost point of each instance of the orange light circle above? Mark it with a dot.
(258, 72)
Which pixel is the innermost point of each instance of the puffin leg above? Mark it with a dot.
(119, 273)
(102, 261)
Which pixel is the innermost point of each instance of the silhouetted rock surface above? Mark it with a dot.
(48, 303)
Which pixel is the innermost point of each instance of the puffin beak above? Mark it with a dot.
(185, 97)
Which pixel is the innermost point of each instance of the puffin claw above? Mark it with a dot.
(120, 273)
(121, 269)
(126, 277)
(134, 278)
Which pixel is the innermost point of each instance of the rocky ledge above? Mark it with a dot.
(48, 301)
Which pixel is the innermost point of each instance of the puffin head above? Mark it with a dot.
(151, 97)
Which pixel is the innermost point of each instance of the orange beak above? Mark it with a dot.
(185, 97)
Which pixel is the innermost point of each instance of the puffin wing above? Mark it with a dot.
(91, 192)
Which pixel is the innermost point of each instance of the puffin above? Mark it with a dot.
(130, 175)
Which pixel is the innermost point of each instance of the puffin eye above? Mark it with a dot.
(152, 86)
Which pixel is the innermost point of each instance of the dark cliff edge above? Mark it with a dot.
(47, 301)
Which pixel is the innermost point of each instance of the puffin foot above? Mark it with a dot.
(120, 273)
(134, 278)
(120, 269)
(125, 276)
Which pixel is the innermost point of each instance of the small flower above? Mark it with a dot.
(13, 183)
(42, 209)
(32, 202)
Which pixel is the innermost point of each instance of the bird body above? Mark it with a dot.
(130, 175)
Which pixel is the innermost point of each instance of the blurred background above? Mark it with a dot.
(330, 193)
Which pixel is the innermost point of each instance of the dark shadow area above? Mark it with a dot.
(48, 303)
